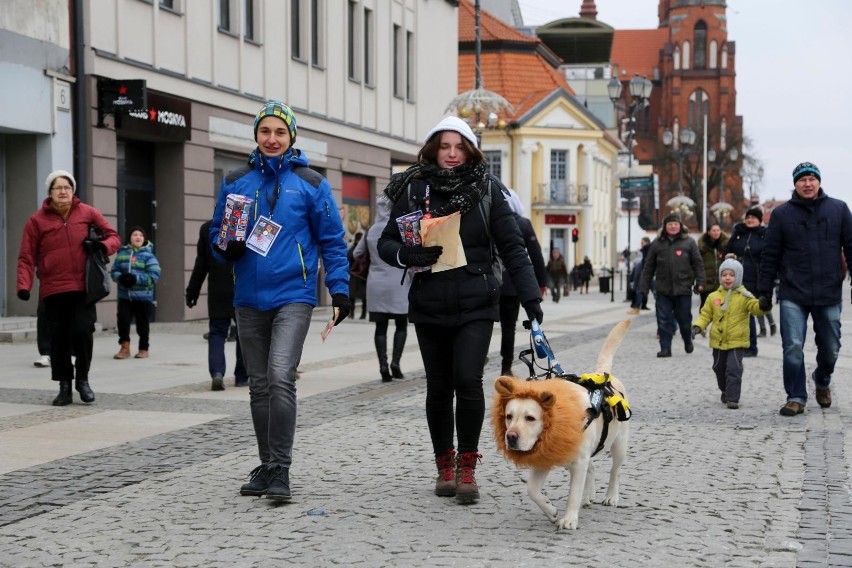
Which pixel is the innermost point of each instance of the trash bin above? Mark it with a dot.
(604, 281)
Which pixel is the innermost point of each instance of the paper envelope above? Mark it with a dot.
(444, 232)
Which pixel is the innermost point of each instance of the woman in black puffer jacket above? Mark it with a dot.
(453, 311)
(747, 243)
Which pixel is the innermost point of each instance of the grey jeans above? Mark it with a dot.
(272, 344)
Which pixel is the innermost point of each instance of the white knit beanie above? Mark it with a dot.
(51, 177)
(455, 124)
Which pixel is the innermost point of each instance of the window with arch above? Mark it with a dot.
(685, 56)
(700, 40)
(714, 49)
(677, 59)
(699, 105)
(725, 56)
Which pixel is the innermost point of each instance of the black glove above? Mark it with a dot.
(24, 295)
(191, 300)
(698, 289)
(695, 331)
(127, 280)
(342, 302)
(93, 245)
(533, 309)
(419, 256)
(234, 251)
(765, 303)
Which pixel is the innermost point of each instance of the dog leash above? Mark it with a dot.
(604, 399)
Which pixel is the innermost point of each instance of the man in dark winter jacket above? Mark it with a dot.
(510, 303)
(802, 247)
(676, 263)
(220, 309)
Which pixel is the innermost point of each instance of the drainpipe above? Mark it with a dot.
(80, 118)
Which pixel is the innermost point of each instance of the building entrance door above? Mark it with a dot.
(137, 202)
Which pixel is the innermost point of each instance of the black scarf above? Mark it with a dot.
(465, 184)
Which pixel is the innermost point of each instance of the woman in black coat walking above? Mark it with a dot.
(453, 310)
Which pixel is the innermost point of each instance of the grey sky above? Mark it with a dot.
(794, 82)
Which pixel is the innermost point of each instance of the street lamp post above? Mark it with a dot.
(722, 209)
(640, 91)
(471, 106)
(687, 140)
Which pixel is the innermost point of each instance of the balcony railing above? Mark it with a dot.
(560, 192)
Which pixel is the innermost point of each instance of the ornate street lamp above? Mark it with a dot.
(471, 106)
(722, 209)
(640, 91)
(681, 204)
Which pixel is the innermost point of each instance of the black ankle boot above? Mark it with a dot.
(64, 396)
(86, 394)
(399, 338)
(381, 342)
(279, 483)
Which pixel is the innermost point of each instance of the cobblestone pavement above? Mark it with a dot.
(703, 485)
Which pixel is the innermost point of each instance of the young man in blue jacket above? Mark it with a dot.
(293, 220)
(803, 245)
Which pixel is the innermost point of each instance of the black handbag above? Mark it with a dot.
(97, 274)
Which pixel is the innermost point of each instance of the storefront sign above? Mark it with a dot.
(118, 95)
(164, 117)
(560, 219)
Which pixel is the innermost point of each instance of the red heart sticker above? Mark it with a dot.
(678, 252)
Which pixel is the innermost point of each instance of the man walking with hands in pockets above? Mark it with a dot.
(803, 247)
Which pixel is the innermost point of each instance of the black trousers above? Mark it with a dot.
(72, 324)
(510, 306)
(127, 310)
(42, 329)
(453, 358)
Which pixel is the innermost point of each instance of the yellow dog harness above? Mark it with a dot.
(603, 399)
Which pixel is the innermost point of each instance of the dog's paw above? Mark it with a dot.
(550, 511)
(568, 522)
(611, 501)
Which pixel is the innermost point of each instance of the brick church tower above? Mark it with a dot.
(692, 64)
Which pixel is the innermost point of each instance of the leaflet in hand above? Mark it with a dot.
(409, 230)
(234, 219)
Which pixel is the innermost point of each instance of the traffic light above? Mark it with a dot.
(575, 235)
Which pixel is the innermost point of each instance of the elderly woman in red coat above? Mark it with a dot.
(55, 245)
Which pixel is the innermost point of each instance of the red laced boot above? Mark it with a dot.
(466, 489)
(445, 486)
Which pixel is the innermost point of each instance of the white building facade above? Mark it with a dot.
(366, 80)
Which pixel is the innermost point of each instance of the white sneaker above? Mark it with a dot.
(43, 361)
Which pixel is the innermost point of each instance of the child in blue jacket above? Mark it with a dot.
(136, 270)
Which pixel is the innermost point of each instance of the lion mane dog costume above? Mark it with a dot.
(543, 424)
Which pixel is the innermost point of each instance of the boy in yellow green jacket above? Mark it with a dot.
(728, 310)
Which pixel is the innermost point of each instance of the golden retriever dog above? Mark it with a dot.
(539, 425)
